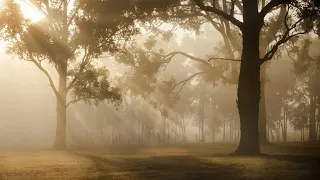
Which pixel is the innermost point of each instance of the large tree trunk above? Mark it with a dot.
(262, 109)
(249, 82)
(61, 110)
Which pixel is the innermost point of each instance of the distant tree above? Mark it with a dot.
(299, 114)
(307, 89)
(279, 85)
(70, 41)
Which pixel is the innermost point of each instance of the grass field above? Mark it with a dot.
(187, 162)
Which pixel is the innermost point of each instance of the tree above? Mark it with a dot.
(190, 17)
(279, 86)
(307, 86)
(253, 21)
(70, 41)
(249, 79)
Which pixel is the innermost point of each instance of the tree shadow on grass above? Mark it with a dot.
(160, 167)
(195, 167)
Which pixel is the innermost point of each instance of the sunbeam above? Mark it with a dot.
(30, 11)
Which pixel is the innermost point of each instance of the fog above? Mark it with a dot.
(27, 105)
(159, 89)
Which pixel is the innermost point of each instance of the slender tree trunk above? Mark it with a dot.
(249, 81)
(318, 130)
(118, 133)
(230, 131)
(284, 127)
(278, 132)
(199, 121)
(281, 125)
(202, 120)
(318, 114)
(183, 127)
(312, 119)
(224, 129)
(268, 133)
(213, 135)
(272, 136)
(165, 130)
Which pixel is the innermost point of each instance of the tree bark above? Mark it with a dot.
(249, 81)
(262, 109)
(61, 110)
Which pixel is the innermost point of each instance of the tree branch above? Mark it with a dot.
(169, 57)
(214, 23)
(219, 12)
(232, 7)
(286, 37)
(239, 5)
(74, 101)
(183, 82)
(272, 4)
(75, 11)
(84, 62)
(46, 73)
(224, 59)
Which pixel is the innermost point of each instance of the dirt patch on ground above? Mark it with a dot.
(156, 163)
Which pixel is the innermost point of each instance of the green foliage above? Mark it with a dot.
(93, 86)
(141, 79)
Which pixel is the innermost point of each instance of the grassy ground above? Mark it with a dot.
(187, 162)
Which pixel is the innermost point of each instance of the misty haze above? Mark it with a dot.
(159, 89)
